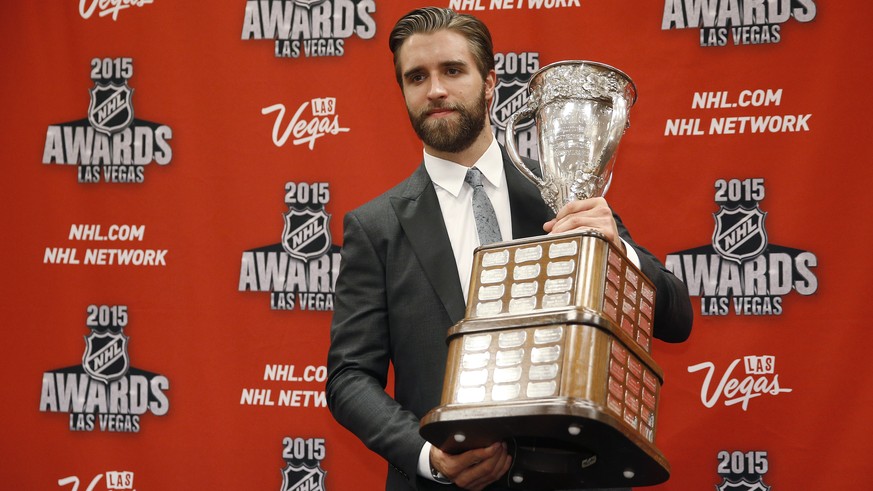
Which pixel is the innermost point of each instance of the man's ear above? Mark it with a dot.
(490, 83)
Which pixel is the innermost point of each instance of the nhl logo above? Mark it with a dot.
(110, 109)
(742, 485)
(105, 355)
(302, 478)
(509, 97)
(306, 234)
(739, 233)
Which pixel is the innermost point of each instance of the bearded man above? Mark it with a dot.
(407, 256)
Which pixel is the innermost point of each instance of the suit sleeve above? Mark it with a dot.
(673, 313)
(359, 356)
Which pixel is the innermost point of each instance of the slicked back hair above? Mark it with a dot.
(428, 20)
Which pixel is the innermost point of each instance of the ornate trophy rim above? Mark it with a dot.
(630, 83)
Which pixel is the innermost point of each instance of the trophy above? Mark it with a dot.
(581, 111)
(553, 353)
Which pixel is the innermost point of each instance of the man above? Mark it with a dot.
(407, 256)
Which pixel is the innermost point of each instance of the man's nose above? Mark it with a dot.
(437, 89)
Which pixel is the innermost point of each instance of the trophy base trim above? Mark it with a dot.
(556, 444)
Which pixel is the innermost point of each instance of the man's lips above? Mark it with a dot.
(440, 112)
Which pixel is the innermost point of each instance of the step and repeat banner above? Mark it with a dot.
(176, 173)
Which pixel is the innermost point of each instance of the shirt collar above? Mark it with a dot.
(450, 175)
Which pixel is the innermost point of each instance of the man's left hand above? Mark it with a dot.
(584, 214)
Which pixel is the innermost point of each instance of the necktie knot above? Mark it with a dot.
(473, 177)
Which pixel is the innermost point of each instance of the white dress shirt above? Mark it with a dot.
(456, 202)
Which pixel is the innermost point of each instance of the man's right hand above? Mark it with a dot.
(473, 469)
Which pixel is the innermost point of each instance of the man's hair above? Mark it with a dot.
(428, 20)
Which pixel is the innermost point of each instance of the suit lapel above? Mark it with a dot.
(418, 211)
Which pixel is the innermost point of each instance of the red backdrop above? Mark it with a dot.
(183, 99)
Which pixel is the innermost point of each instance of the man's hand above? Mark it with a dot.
(473, 469)
(584, 214)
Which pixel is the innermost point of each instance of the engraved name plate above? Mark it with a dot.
(526, 272)
(511, 339)
(562, 249)
(548, 335)
(543, 372)
(474, 377)
(468, 395)
(559, 285)
(477, 342)
(505, 392)
(491, 292)
(484, 309)
(561, 268)
(493, 275)
(499, 258)
(528, 254)
(541, 389)
(526, 289)
(504, 375)
(546, 354)
(475, 360)
(527, 304)
(510, 357)
(556, 300)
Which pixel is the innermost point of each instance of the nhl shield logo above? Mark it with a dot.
(105, 355)
(742, 485)
(306, 234)
(509, 97)
(302, 478)
(739, 233)
(110, 110)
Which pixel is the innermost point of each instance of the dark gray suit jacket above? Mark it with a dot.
(398, 292)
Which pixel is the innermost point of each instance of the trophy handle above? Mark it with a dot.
(511, 149)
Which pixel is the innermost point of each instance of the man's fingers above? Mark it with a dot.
(547, 227)
(586, 213)
(453, 466)
(580, 206)
(481, 473)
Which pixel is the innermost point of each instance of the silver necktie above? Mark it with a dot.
(483, 212)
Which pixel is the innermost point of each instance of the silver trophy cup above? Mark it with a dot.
(581, 111)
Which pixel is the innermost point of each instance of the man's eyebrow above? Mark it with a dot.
(453, 63)
(444, 64)
(411, 71)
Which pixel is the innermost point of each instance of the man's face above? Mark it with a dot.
(446, 97)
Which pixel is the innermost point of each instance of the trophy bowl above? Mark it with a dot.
(581, 110)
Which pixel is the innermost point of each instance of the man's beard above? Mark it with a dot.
(451, 136)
